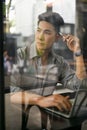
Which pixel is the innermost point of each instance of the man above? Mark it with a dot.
(46, 68)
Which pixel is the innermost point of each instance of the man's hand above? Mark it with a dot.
(59, 101)
(72, 42)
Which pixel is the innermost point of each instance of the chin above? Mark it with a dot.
(40, 47)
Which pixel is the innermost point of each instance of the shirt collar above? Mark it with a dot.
(33, 51)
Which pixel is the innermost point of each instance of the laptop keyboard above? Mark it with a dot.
(64, 111)
(72, 99)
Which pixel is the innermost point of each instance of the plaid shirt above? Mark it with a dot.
(38, 78)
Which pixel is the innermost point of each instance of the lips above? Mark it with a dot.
(41, 43)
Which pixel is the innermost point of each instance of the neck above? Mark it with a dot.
(44, 55)
(44, 59)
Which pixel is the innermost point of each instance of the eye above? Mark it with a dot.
(47, 32)
(38, 30)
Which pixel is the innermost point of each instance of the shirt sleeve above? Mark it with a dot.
(67, 76)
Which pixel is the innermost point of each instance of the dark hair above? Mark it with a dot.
(53, 18)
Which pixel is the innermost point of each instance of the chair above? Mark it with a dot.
(25, 115)
(25, 112)
(84, 125)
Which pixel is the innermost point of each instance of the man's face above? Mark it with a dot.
(45, 36)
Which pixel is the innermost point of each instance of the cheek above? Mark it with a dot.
(36, 35)
(50, 40)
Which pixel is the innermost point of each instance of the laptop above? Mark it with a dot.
(79, 103)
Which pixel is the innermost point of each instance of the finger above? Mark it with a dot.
(59, 106)
(67, 105)
(72, 42)
(67, 36)
(67, 97)
(62, 105)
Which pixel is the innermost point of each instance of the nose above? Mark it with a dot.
(41, 36)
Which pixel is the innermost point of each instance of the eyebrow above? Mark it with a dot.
(46, 30)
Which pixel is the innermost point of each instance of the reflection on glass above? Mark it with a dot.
(35, 77)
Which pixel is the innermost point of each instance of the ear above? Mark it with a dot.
(57, 37)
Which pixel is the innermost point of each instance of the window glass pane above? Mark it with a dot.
(28, 76)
